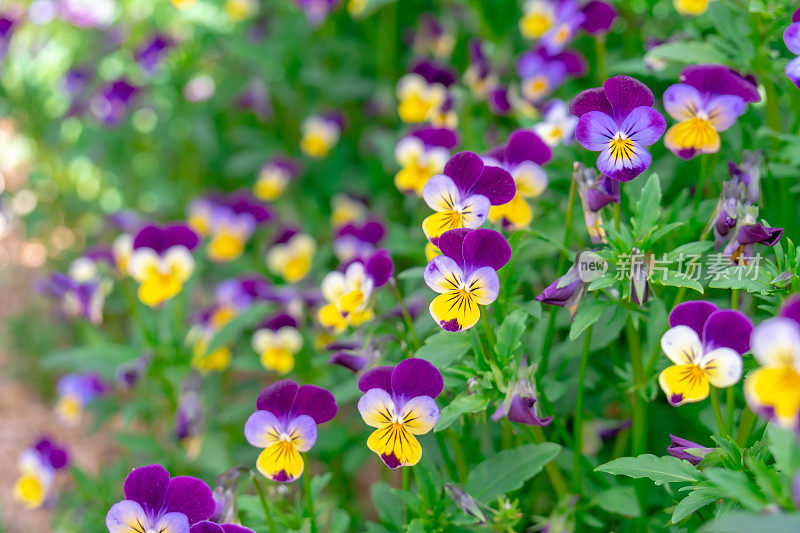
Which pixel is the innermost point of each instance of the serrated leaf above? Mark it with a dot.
(387, 504)
(736, 486)
(676, 279)
(466, 403)
(509, 334)
(660, 470)
(508, 470)
(444, 348)
(784, 449)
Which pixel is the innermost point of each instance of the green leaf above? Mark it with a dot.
(676, 279)
(445, 348)
(411, 273)
(508, 470)
(736, 485)
(686, 251)
(648, 208)
(784, 449)
(739, 522)
(661, 232)
(233, 329)
(103, 359)
(387, 504)
(588, 313)
(619, 500)
(660, 470)
(697, 499)
(687, 52)
(509, 334)
(465, 403)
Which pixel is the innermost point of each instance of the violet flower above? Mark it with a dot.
(618, 121)
(151, 54)
(112, 103)
(687, 450)
(38, 465)
(791, 38)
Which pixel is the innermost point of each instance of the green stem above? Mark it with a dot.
(734, 299)
(487, 328)
(577, 445)
(730, 407)
(723, 430)
(746, 424)
(698, 193)
(458, 451)
(264, 504)
(547, 344)
(406, 316)
(568, 222)
(551, 468)
(616, 217)
(600, 52)
(637, 406)
(309, 501)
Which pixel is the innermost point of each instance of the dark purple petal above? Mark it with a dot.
(791, 308)
(728, 329)
(434, 72)
(719, 79)
(206, 527)
(626, 94)
(464, 168)
(352, 362)
(599, 16)
(162, 238)
(147, 486)
(451, 244)
(590, 100)
(190, 496)
(495, 184)
(692, 314)
(278, 397)
(757, 233)
(679, 447)
(233, 528)
(499, 103)
(521, 410)
(379, 377)
(316, 402)
(572, 62)
(243, 202)
(416, 377)
(563, 291)
(444, 137)
(51, 453)
(525, 145)
(603, 192)
(277, 321)
(485, 247)
(796, 15)
(380, 267)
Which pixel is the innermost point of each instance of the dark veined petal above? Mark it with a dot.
(692, 314)
(464, 168)
(190, 496)
(316, 402)
(147, 486)
(379, 377)
(278, 397)
(416, 377)
(590, 100)
(485, 247)
(525, 145)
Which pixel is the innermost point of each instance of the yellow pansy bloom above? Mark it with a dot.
(160, 277)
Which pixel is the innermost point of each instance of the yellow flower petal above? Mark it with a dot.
(455, 310)
(684, 384)
(280, 360)
(158, 288)
(776, 390)
(395, 445)
(517, 212)
(280, 462)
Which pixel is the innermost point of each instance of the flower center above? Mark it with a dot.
(536, 87)
(621, 147)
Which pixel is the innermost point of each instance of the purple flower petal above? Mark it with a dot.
(485, 247)
(278, 397)
(316, 402)
(792, 71)
(162, 238)
(757, 233)
(626, 94)
(499, 102)
(206, 527)
(563, 291)
(444, 137)
(682, 101)
(791, 308)
(723, 111)
(147, 486)
(692, 314)
(595, 130)
(495, 184)
(258, 426)
(190, 496)
(233, 528)
(416, 377)
(521, 410)
(451, 244)
(380, 267)
(644, 126)
(679, 448)
(434, 72)
(719, 79)
(729, 329)
(379, 377)
(599, 16)
(590, 100)
(525, 145)
(303, 431)
(465, 169)
(352, 362)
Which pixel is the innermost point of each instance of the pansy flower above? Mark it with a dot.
(75, 392)
(706, 346)
(421, 155)
(291, 255)
(539, 75)
(463, 195)
(522, 156)
(155, 502)
(748, 232)
(356, 241)
(348, 294)
(708, 100)
(557, 125)
(84, 299)
(274, 176)
(206, 526)
(596, 191)
(285, 424)
(423, 92)
(206, 325)
(554, 23)
(399, 402)
(346, 209)
(151, 54)
(518, 405)
(38, 465)
(162, 261)
(791, 38)
(320, 133)
(355, 356)
(228, 222)
(276, 341)
(431, 37)
(618, 121)
(479, 76)
(113, 101)
(465, 276)
(773, 390)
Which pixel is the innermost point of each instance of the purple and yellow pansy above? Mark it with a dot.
(522, 156)
(706, 345)
(421, 155)
(291, 254)
(557, 125)
(618, 121)
(423, 92)
(357, 241)
(773, 390)
(465, 275)
(38, 465)
(463, 195)
(554, 23)
(274, 176)
(228, 222)
(277, 341)
(399, 402)
(708, 100)
(285, 424)
(540, 73)
(320, 133)
(162, 261)
(75, 392)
